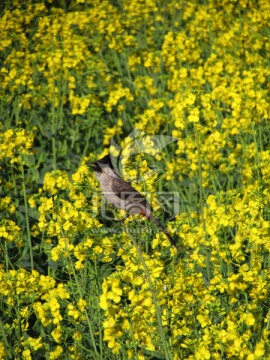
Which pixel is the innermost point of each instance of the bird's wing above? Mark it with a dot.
(122, 188)
(136, 203)
(126, 192)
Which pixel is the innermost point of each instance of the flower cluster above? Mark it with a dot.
(14, 143)
(27, 295)
(77, 284)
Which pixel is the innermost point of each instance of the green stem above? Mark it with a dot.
(168, 355)
(97, 355)
(27, 217)
(7, 344)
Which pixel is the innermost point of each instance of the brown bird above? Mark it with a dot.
(121, 194)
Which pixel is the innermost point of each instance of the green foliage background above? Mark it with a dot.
(74, 75)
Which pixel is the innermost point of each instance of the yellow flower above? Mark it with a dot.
(103, 303)
(73, 312)
(35, 343)
(202, 353)
(81, 303)
(77, 336)
(80, 174)
(55, 181)
(56, 354)
(57, 334)
(3, 352)
(259, 350)
(248, 319)
(203, 320)
(26, 354)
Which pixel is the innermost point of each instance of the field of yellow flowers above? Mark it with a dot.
(76, 74)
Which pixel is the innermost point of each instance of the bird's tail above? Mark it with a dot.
(162, 229)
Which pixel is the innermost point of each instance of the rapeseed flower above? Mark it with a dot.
(196, 71)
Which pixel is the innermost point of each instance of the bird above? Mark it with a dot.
(121, 194)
